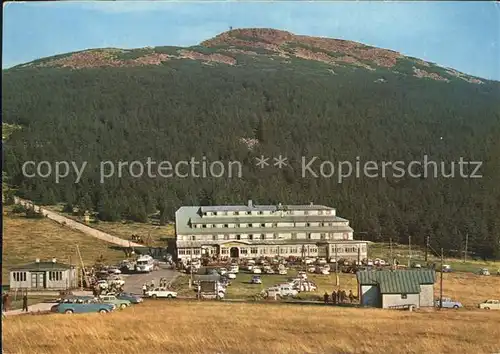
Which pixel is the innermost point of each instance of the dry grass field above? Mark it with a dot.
(24, 240)
(212, 327)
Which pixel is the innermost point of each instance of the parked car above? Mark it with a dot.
(222, 271)
(449, 303)
(231, 275)
(256, 280)
(484, 271)
(446, 268)
(283, 290)
(114, 270)
(111, 299)
(161, 293)
(302, 275)
(83, 307)
(490, 305)
(256, 270)
(134, 299)
(234, 269)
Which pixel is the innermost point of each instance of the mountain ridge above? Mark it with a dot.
(274, 44)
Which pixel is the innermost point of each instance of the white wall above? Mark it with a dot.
(427, 295)
(389, 300)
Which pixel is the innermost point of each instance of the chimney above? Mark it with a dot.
(250, 203)
(54, 260)
(37, 260)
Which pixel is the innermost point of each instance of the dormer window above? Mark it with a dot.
(249, 213)
(250, 225)
(262, 225)
(236, 213)
(238, 237)
(261, 212)
(215, 213)
(226, 225)
(262, 236)
(204, 226)
(308, 224)
(250, 237)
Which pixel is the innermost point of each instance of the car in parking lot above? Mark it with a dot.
(111, 299)
(161, 293)
(86, 306)
(256, 280)
(134, 299)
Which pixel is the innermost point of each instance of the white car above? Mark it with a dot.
(114, 270)
(161, 293)
(103, 284)
(234, 269)
(321, 261)
(282, 291)
(490, 305)
(222, 271)
(302, 275)
(256, 270)
(231, 275)
(309, 261)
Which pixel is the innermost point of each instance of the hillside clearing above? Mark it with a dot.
(211, 327)
(25, 239)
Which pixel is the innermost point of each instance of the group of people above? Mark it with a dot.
(6, 302)
(339, 297)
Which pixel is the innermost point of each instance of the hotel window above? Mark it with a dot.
(323, 236)
(254, 250)
(226, 237)
(181, 252)
(215, 213)
(250, 237)
(236, 213)
(243, 250)
(330, 236)
(214, 237)
(293, 250)
(261, 213)
(249, 213)
(262, 236)
(275, 224)
(237, 225)
(320, 212)
(204, 214)
(322, 224)
(20, 276)
(313, 250)
(204, 226)
(294, 235)
(193, 238)
(224, 251)
(308, 224)
(196, 251)
(238, 237)
(306, 212)
(262, 225)
(275, 236)
(308, 236)
(226, 225)
(262, 251)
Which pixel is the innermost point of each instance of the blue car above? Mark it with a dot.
(84, 306)
(134, 299)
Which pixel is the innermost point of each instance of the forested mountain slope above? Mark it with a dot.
(254, 92)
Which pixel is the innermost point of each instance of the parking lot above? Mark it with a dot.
(134, 282)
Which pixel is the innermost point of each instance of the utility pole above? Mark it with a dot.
(409, 251)
(426, 248)
(390, 245)
(466, 245)
(441, 282)
(337, 280)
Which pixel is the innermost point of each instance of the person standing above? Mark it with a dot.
(326, 297)
(334, 297)
(351, 296)
(25, 302)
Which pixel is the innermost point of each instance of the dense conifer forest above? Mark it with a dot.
(185, 108)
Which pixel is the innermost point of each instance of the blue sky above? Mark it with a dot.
(461, 35)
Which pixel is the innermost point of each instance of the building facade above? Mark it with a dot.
(392, 288)
(44, 276)
(253, 231)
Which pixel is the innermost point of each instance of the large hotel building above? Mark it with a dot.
(252, 231)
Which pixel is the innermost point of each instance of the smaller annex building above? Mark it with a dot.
(395, 288)
(49, 275)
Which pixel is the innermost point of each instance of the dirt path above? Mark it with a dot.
(78, 226)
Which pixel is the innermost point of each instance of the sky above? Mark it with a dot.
(461, 35)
